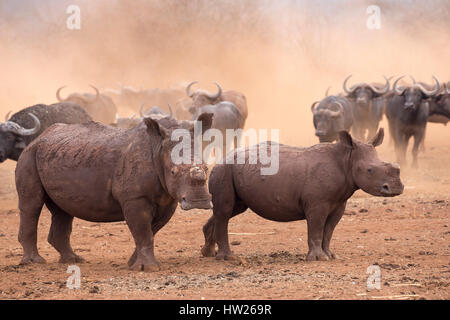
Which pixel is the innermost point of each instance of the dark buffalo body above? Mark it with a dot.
(407, 112)
(331, 115)
(368, 106)
(312, 183)
(440, 106)
(12, 143)
(104, 174)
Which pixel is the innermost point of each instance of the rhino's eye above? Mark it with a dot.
(370, 170)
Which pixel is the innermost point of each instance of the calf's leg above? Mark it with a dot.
(316, 217)
(330, 224)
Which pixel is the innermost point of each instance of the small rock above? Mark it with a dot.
(235, 243)
(363, 210)
(94, 289)
(365, 231)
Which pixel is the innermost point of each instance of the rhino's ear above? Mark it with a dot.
(154, 128)
(206, 119)
(346, 139)
(377, 139)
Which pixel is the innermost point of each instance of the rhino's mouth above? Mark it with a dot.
(387, 190)
(196, 204)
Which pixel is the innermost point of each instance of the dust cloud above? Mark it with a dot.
(281, 54)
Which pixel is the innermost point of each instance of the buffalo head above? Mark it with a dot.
(414, 94)
(202, 97)
(12, 137)
(363, 93)
(328, 118)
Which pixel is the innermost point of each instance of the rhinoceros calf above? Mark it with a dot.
(312, 183)
(105, 174)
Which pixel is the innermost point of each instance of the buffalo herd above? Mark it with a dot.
(408, 108)
(80, 159)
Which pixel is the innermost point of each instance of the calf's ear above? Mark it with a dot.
(378, 138)
(154, 128)
(346, 139)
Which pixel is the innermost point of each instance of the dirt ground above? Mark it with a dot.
(407, 237)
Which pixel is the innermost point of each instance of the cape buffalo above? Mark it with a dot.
(131, 98)
(99, 106)
(407, 112)
(201, 98)
(440, 106)
(26, 125)
(312, 183)
(333, 114)
(104, 174)
(130, 122)
(226, 116)
(367, 105)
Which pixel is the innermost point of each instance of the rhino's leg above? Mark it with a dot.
(31, 200)
(163, 216)
(209, 249)
(221, 231)
(330, 224)
(59, 235)
(139, 214)
(316, 217)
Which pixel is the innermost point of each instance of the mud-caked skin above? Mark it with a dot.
(104, 174)
(312, 183)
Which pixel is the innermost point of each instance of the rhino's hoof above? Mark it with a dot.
(71, 258)
(148, 267)
(317, 256)
(32, 259)
(208, 251)
(226, 256)
(330, 254)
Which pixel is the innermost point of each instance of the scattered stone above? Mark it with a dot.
(94, 289)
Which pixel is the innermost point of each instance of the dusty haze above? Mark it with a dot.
(281, 54)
